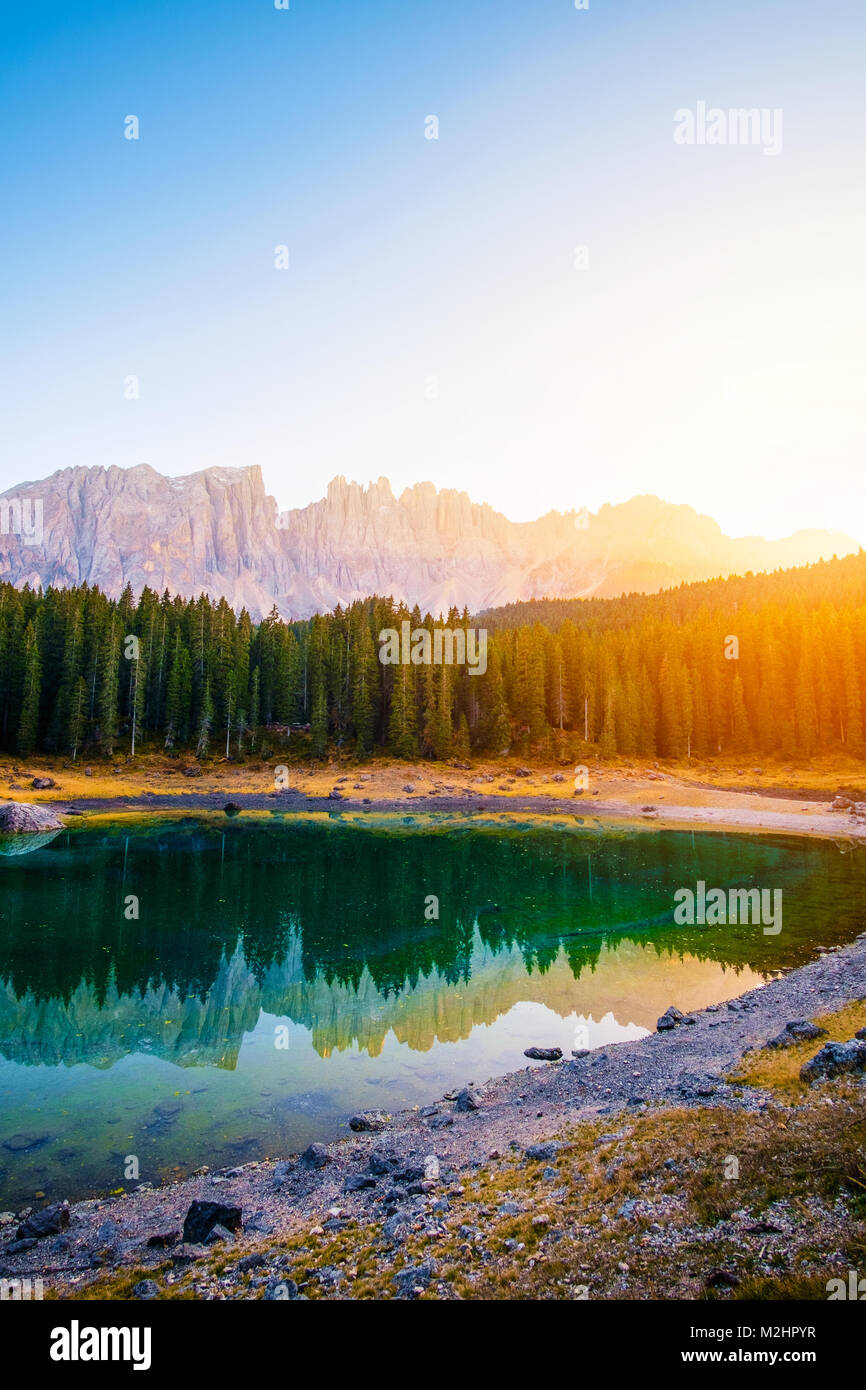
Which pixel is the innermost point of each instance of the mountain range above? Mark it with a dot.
(218, 531)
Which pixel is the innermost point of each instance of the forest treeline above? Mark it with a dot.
(644, 675)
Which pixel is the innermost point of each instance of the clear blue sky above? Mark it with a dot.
(712, 352)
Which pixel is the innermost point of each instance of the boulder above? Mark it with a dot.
(672, 1018)
(800, 1030)
(48, 1222)
(21, 818)
(835, 1059)
(42, 784)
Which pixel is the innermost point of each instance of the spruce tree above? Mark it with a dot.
(28, 724)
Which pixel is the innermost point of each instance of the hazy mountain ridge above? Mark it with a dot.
(218, 531)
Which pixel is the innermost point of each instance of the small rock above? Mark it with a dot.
(281, 1290)
(164, 1240)
(672, 1018)
(203, 1216)
(414, 1279)
(543, 1054)
(145, 1289)
(369, 1121)
(282, 1173)
(543, 1152)
(468, 1100)
(382, 1162)
(316, 1156)
(248, 1262)
(217, 1233)
(358, 1182)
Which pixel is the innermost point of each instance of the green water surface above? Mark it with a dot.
(282, 974)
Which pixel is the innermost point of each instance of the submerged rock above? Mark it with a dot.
(24, 1143)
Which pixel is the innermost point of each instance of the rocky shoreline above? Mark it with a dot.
(394, 1173)
(808, 817)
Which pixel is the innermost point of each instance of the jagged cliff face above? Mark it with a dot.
(218, 532)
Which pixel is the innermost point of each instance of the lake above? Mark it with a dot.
(282, 973)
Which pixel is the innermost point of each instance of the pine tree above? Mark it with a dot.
(402, 725)
(138, 691)
(28, 724)
(319, 719)
(178, 696)
(108, 687)
(205, 723)
(76, 719)
(255, 706)
(741, 735)
(363, 689)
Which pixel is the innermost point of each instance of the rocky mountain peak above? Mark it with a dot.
(218, 531)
